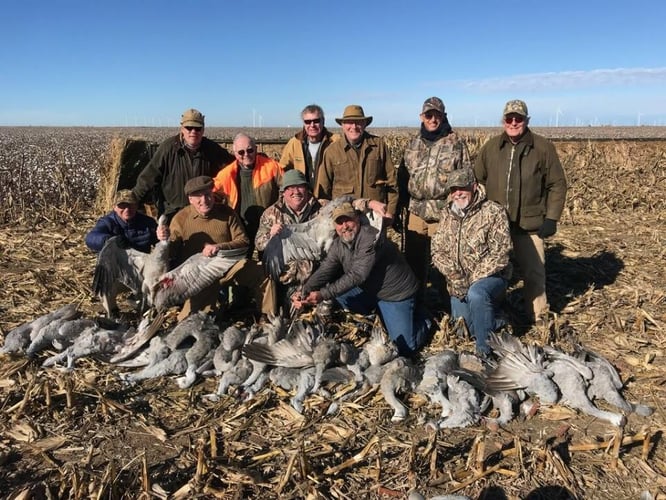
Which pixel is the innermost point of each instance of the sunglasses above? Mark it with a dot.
(314, 121)
(432, 116)
(196, 129)
(242, 152)
(514, 118)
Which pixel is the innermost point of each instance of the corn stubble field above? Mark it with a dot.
(83, 434)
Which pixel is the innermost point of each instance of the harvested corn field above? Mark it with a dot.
(85, 433)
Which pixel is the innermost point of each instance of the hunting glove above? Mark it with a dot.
(548, 228)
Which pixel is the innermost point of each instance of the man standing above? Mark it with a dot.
(250, 183)
(359, 164)
(428, 160)
(305, 150)
(522, 172)
(471, 248)
(206, 227)
(362, 272)
(178, 159)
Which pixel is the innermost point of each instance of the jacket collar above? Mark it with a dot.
(527, 139)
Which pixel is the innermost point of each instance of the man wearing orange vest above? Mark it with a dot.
(250, 183)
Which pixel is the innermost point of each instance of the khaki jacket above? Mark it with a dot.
(368, 174)
(296, 155)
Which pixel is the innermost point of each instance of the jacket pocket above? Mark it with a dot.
(531, 217)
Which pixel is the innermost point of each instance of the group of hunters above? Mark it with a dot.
(470, 221)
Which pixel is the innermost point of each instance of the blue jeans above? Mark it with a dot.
(480, 308)
(406, 323)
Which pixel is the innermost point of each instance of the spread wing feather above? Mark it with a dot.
(194, 275)
(117, 265)
(308, 240)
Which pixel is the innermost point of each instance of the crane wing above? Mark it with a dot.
(193, 276)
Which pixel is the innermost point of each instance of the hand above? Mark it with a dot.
(313, 298)
(548, 228)
(163, 233)
(275, 229)
(297, 300)
(210, 250)
(379, 208)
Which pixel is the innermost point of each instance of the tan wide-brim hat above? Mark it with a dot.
(355, 113)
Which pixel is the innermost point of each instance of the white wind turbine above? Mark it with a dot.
(557, 116)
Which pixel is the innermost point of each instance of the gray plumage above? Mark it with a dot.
(162, 361)
(433, 383)
(201, 327)
(18, 339)
(118, 267)
(399, 376)
(607, 384)
(465, 403)
(309, 240)
(306, 346)
(93, 341)
(192, 276)
(520, 367)
(572, 378)
(57, 332)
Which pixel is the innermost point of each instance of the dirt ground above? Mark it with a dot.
(86, 434)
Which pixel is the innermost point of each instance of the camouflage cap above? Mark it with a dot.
(344, 210)
(516, 106)
(462, 177)
(192, 118)
(126, 196)
(292, 177)
(433, 104)
(201, 183)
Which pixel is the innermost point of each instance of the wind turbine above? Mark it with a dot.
(557, 116)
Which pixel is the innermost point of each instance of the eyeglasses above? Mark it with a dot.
(514, 118)
(432, 116)
(242, 152)
(314, 121)
(196, 129)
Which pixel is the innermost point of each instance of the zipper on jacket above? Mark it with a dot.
(508, 177)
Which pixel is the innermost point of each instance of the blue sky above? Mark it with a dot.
(120, 63)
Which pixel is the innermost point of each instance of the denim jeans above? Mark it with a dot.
(480, 309)
(406, 323)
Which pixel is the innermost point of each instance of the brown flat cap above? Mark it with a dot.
(201, 183)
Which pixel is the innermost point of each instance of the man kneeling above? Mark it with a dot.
(363, 270)
(471, 248)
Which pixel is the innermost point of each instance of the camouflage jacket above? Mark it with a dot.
(279, 212)
(477, 245)
(423, 171)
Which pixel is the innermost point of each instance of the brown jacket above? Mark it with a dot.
(368, 174)
(296, 155)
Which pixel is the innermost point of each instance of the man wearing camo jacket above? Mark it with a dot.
(471, 248)
(429, 158)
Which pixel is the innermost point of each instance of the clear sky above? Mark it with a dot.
(257, 63)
